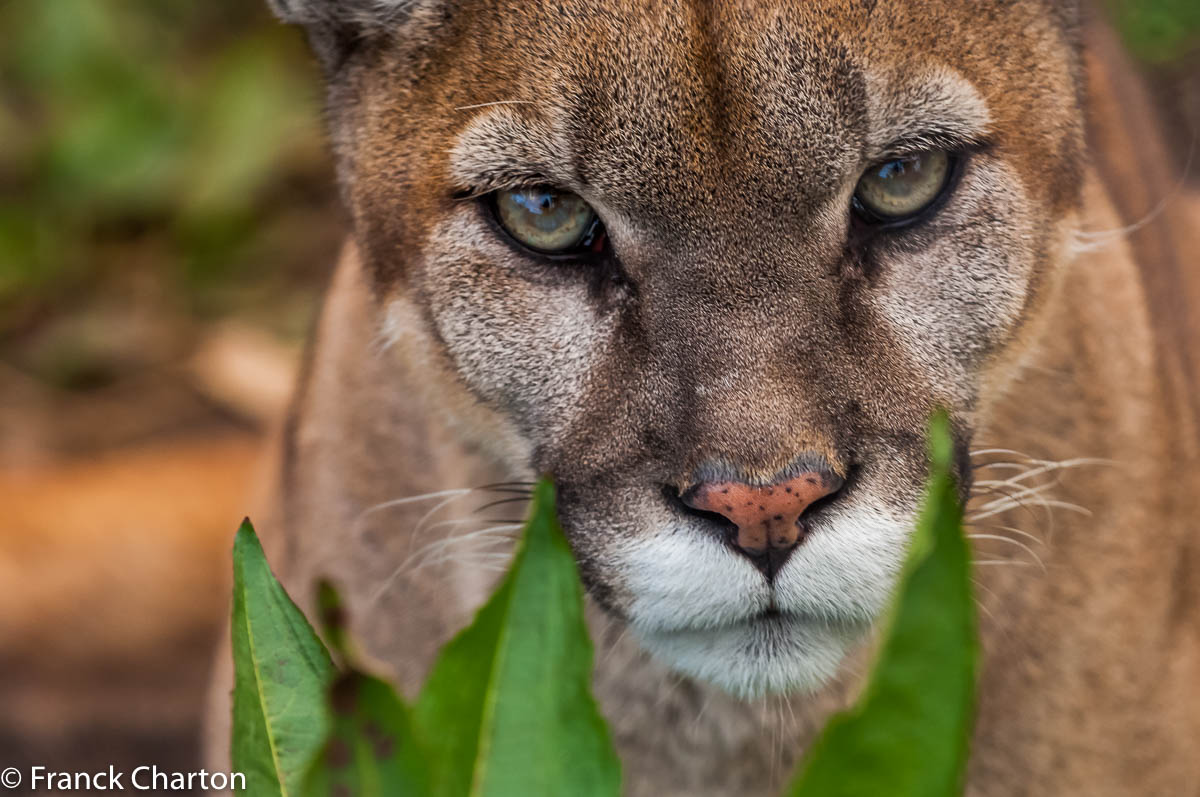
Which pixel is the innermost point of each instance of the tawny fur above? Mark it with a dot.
(720, 142)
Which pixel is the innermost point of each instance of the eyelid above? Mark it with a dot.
(495, 183)
(951, 143)
(480, 185)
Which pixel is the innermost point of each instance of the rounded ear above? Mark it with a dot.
(336, 27)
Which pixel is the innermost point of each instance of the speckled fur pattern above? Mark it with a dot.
(744, 323)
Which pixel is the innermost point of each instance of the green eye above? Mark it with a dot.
(898, 190)
(550, 221)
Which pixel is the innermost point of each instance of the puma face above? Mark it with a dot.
(712, 266)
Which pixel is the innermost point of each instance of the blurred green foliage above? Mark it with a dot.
(182, 138)
(160, 133)
(1158, 31)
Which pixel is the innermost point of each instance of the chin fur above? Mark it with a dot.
(767, 655)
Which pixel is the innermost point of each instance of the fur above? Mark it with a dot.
(742, 321)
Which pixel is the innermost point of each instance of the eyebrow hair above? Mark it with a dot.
(503, 148)
(500, 149)
(939, 109)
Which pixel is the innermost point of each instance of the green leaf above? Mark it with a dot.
(280, 673)
(508, 709)
(908, 734)
(372, 750)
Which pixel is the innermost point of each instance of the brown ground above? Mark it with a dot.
(118, 511)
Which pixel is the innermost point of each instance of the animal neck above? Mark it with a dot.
(1086, 559)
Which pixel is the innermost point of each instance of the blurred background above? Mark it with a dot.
(167, 222)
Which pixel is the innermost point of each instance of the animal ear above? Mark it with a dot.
(1070, 17)
(336, 27)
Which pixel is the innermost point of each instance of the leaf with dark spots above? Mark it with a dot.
(333, 619)
(372, 750)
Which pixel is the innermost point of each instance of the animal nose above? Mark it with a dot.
(767, 518)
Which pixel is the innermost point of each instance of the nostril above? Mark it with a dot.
(767, 517)
(680, 501)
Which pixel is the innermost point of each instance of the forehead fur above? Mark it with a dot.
(642, 100)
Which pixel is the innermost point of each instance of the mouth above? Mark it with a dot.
(768, 618)
(697, 602)
(770, 652)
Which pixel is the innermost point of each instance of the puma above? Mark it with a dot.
(712, 265)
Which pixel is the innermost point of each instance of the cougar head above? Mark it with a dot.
(712, 265)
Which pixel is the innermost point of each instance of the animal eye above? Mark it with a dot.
(549, 221)
(898, 190)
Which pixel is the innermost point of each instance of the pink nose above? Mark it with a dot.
(766, 517)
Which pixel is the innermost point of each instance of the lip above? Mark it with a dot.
(776, 617)
(772, 617)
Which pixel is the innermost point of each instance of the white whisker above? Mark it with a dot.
(1032, 492)
(493, 103)
(493, 532)
(422, 556)
(1013, 562)
(1010, 541)
(1051, 504)
(1008, 451)
(412, 499)
(1031, 537)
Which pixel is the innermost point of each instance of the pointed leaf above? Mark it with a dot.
(508, 709)
(908, 734)
(280, 673)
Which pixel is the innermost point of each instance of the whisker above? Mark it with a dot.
(479, 544)
(418, 558)
(1048, 466)
(1010, 541)
(1013, 562)
(356, 526)
(1008, 451)
(412, 499)
(611, 650)
(481, 559)
(458, 539)
(700, 714)
(471, 521)
(1087, 241)
(998, 624)
(1030, 492)
(1045, 502)
(513, 491)
(995, 527)
(420, 526)
(1014, 497)
(493, 103)
(503, 501)
(979, 604)
(1001, 464)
